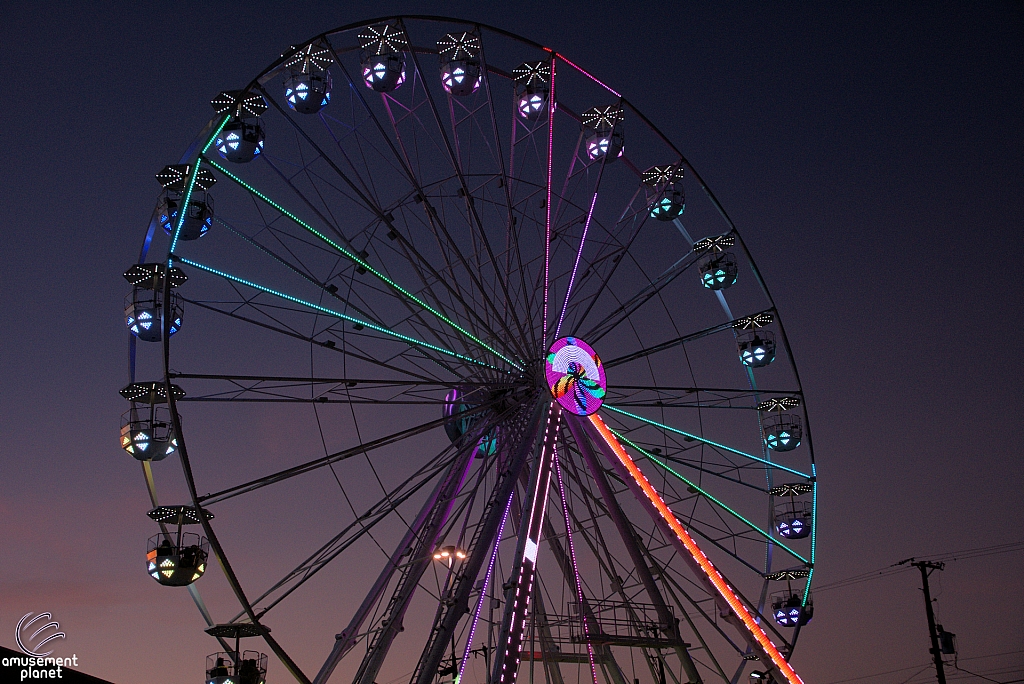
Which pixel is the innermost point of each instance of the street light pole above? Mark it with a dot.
(455, 664)
(450, 554)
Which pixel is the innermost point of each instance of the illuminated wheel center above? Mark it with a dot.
(575, 376)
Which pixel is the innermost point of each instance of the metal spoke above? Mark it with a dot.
(306, 338)
(407, 250)
(470, 271)
(717, 397)
(302, 468)
(381, 216)
(637, 300)
(731, 605)
(474, 215)
(356, 259)
(674, 343)
(689, 483)
(335, 314)
(456, 605)
(709, 442)
(351, 533)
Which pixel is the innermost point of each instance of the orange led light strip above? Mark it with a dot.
(758, 634)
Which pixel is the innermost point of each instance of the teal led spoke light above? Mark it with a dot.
(363, 264)
(696, 488)
(193, 177)
(324, 310)
(709, 442)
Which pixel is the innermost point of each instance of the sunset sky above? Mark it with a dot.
(872, 156)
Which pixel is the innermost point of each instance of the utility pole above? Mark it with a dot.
(926, 568)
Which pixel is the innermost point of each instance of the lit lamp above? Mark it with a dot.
(450, 554)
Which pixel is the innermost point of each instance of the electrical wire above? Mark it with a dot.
(904, 566)
(879, 674)
(926, 665)
(960, 669)
(916, 673)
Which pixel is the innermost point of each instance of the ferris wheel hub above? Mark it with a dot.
(575, 376)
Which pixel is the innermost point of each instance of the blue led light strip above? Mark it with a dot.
(330, 312)
(706, 441)
(363, 264)
(711, 498)
(814, 509)
(183, 210)
(814, 530)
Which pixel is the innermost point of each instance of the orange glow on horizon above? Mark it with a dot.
(767, 648)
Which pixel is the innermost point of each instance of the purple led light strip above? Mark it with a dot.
(575, 266)
(543, 483)
(575, 569)
(528, 561)
(483, 591)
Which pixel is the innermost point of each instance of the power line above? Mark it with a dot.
(879, 674)
(962, 674)
(982, 551)
(983, 676)
(921, 668)
(923, 677)
(903, 566)
(916, 673)
(994, 655)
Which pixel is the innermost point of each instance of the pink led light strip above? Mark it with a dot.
(759, 639)
(547, 203)
(583, 71)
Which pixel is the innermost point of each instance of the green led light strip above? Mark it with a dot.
(183, 210)
(706, 441)
(814, 509)
(213, 137)
(192, 184)
(362, 263)
(711, 498)
(330, 312)
(814, 531)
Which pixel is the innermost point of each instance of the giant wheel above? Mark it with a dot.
(449, 361)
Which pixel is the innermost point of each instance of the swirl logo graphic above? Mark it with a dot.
(31, 645)
(575, 376)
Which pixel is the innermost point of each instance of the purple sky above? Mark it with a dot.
(872, 158)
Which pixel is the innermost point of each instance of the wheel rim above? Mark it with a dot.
(461, 238)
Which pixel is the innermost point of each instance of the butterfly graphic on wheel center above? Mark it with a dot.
(575, 376)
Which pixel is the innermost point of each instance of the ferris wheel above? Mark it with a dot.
(468, 361)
